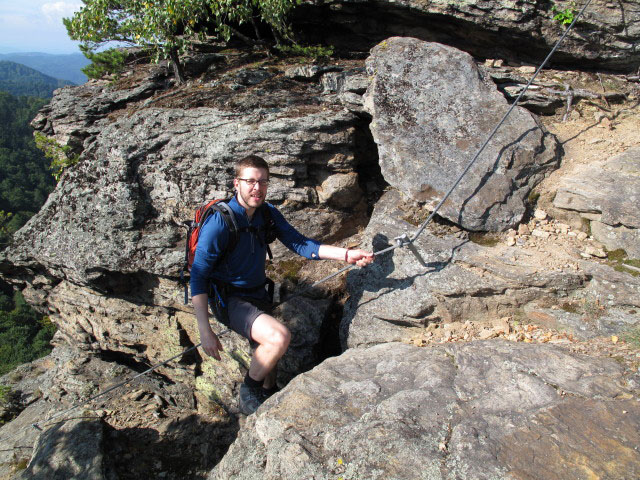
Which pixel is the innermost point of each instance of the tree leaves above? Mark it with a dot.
(168, 27)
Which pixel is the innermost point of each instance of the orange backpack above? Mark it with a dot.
(193, 234)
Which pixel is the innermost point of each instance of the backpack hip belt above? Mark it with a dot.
(219, 293)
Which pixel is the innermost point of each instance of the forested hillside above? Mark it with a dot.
(25, 183)
(18, 79)
(25, 179)
(66, 67)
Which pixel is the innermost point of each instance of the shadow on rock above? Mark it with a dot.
(376, 278)
(140, 452)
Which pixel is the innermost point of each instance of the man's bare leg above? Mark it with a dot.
(273, 339)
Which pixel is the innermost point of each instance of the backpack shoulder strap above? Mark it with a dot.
(270, 229)
(229, 218)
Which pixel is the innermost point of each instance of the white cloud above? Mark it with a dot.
(14, 21)
(55, 11)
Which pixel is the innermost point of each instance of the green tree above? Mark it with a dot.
(61, 156)
(5, 229)
(24, 334)
(110, 61)
(169, 26)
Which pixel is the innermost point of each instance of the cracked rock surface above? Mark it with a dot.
(474, 410)
(607, 34)
(68, 450)
(443, 278)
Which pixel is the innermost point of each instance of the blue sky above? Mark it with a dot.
(36, 26)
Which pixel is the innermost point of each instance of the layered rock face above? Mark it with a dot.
(442, 278)
(104, 253)
(432, 111)
(605, 37)
(144, 169)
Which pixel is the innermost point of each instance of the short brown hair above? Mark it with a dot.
(251, 161)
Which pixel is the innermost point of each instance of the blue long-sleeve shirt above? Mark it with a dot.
(244, 267)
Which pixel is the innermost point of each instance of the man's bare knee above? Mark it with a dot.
(270, 332)
(279, 338)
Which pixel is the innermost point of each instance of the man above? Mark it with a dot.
(242, 274)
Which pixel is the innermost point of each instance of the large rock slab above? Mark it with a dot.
(611, 288)
(75, 115)
(432, 111)
(18, 438)
(607, 193)
(467, 411)
(445, 278)
(615, 321)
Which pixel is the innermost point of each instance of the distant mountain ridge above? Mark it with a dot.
(64, 66)
(18, 79)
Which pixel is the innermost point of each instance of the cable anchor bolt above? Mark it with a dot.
(403, 240)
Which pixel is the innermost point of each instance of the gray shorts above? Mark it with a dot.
(243, 311)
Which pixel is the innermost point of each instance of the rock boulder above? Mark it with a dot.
(432, 111)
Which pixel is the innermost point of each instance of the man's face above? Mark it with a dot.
(252, 196)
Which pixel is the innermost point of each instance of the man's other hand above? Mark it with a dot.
(211, 344)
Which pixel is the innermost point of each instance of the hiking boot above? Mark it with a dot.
(250, 399)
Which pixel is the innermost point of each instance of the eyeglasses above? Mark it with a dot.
(252, 182)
